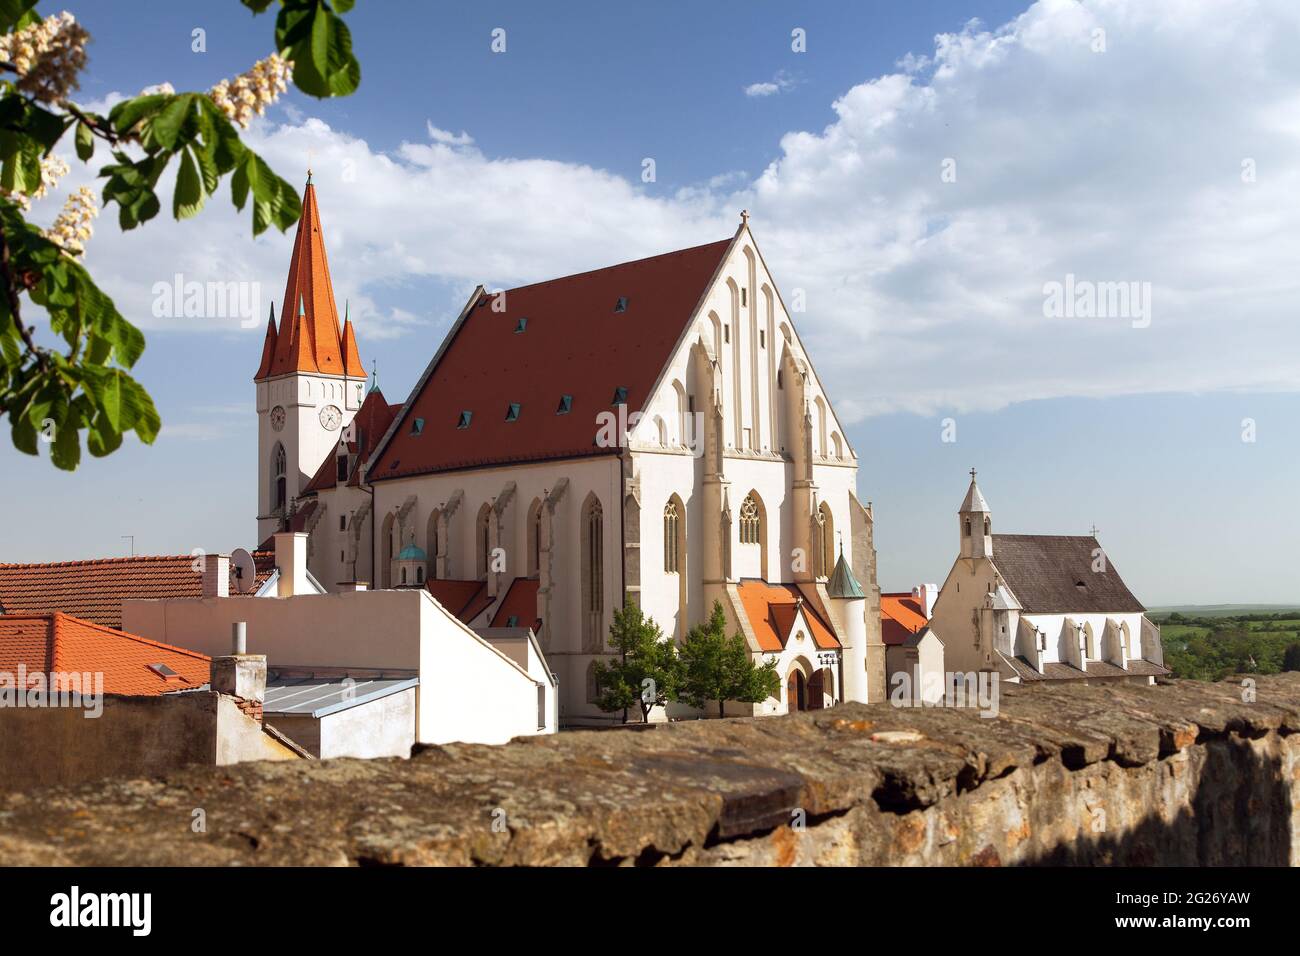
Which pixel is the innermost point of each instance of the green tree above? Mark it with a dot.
(719, 668)
(648, 671)
(1291, 658)
(76, 378)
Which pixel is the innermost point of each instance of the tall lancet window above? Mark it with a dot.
(592, 530)
(279, 492)
(672, 553)
(750, 521)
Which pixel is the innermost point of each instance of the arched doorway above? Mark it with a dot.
(796, 691)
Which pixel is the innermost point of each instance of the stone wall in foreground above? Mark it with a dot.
(1182, 773)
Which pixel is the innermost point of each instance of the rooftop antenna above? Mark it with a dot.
(132, 537)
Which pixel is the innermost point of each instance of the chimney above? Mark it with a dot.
(240, 675)
(216, 575)
(352, 586)
(926, 595)
(291, 560)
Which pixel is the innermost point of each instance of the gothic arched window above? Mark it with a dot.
(483, 537)
(279, 496)
(750, 521)
(592, 531)
(672, 555)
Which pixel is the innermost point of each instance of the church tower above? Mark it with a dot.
(310, 382)
(975, 523)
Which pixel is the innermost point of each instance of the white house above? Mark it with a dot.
(466, 687)
(651, 432)
(1040, 607)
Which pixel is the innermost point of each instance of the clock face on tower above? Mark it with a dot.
(277, 417)
(330, 418)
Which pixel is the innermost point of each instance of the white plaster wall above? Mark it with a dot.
(1054, 626)
(468, 690)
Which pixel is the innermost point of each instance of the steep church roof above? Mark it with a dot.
(524, 373)
(309, 339)
(974, 500)
(1054, 574)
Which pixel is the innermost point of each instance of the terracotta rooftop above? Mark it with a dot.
(94, 590)
(771, 609)
(465, 600)
(900, 617)
(60, 643)
(583, 337)
(520, 603)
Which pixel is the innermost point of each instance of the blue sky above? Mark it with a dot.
(453, 165)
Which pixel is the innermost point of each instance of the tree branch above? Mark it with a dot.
(11, 293)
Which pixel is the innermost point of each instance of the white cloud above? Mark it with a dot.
(922, 294)
(448, 139)
(778, 84)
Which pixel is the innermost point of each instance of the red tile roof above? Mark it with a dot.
(94, 590)
(520, 603)
(573, 343)
(465, 600)
(371, 421)
(59, 643)
(900, 617)
(771, 609)
(309, 339)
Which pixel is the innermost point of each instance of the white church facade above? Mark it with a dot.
(1036, 608)
(651, 432)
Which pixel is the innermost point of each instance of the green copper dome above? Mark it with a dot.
(412, 553)
(843, 584)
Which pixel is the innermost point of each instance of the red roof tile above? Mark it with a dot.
(900, 617)
(94, 590)
(574, 343)
(309, 339)
(60, 643)
(771, 609)
(520, 603)
(465, 600)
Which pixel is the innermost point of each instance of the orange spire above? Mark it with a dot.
(309, 339)
(352, 366)
(268, 347)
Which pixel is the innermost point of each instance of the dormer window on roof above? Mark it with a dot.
(512, 620)
(521, 325)
(621, 304)
(465, 416)
(417, 426)
(565, 406)
(620, 395)
(512, 412)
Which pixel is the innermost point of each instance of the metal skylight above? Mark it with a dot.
(465, 416)
(621, 304)
(417, 426)
(512, 412)
(620, 395)
(565, 406)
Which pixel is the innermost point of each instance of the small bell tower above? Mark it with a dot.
(975, 523)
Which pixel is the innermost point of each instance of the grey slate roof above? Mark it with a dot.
(1044, 572)
(1096, 669)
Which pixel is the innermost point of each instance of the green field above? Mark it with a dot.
(1213, 642)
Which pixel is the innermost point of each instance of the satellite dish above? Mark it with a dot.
(241, 563)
